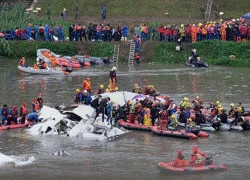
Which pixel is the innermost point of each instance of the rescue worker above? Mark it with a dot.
(43, 65)
(163, 119)
(112, 79)
(110, 109)
(23, 112)
(179, 160)
(4, 112)
(146, 116)
(137, 89)
(131, 113)
(239, 108)
(194, 57)
(197, 103)
(12, 116)
(100, 90)
(173, 123)
(22, 62)
(40, 100)
(223, 117)
(182, 116)
(154, 113)
(196, 157)
(139, 113)
(190, 125)
(137, 58)
(86, 97)
(231, 111)
(78, 97)
(146, 90)
(172, 108)
(101, 108)
(152, 90)
(185, 103)
(86, 85)
(35, 105)
(146, 102)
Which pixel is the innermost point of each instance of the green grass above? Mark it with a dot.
(146, 8)
(16, 17)
(214, 52)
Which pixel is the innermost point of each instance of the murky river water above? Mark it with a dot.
(135, 155)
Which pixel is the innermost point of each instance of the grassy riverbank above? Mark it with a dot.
(213, 52)
(146, 8)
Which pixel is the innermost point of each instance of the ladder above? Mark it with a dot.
(116, 53)
(131, 52)
(209, 7)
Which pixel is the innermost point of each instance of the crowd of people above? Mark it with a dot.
(11, 115)
(231, 30)
(151, 111)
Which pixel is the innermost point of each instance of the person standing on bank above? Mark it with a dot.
(64, 14)
(104, 11)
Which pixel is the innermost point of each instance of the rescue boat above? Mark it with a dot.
(15, 126)
(168, 167)
(172, 133)
(134, 126)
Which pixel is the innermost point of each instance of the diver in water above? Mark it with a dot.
(194, 58)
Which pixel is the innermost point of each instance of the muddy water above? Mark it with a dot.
(135, 155)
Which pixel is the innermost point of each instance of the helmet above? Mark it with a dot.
(232, 104)
(197, 97)
(179, 153)
(114, 68)
(195, 149)
(88, 79)
(217, 102)
(101, 86)
(85, 91)
(189, 120)
(173, 116)
(135, 85)
(78, 90)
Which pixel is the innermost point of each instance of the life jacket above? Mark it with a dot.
(112, 74)
(86, 85)
(44, 65)
(131, 109)
(137, 56)
(174, 123)
(4, 111)
(240, 109)
(164, 115)
(36, 106)
(180, 162)
(198, 158)
(100, 91)
(22, 62)
(24, 110)
(13, 113)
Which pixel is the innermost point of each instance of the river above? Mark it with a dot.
(135, 155)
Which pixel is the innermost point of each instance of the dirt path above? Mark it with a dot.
(132, 20)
